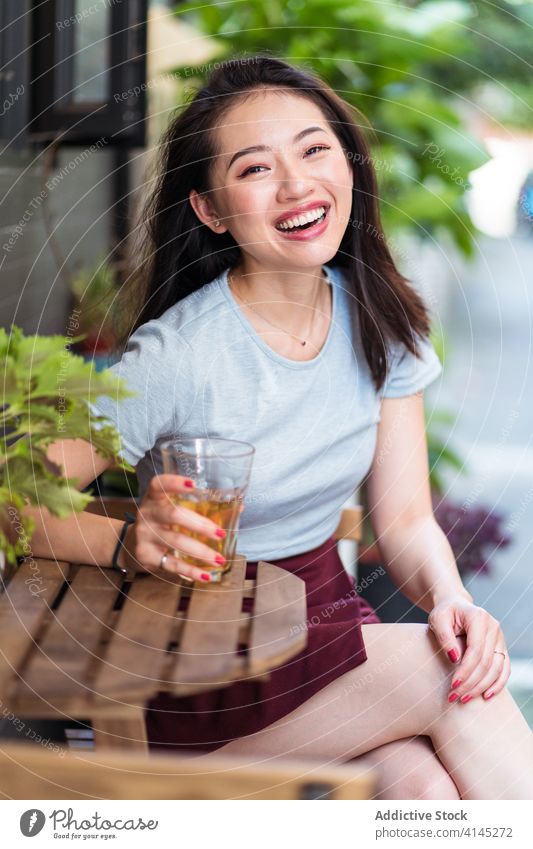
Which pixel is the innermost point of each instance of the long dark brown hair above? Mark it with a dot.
(180, 254)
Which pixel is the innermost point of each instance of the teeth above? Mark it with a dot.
(299, 220)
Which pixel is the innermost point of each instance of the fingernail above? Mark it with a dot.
(220, 532)
(453, 654)
(465, 699)
(456, 684)
(220, 559)
(205, 576)
(188, 483)
(489, 695)
(453, 697)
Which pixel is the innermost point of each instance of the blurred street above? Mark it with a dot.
(488, 382)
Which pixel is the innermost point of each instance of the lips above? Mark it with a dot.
(310, 231)
(300, 214)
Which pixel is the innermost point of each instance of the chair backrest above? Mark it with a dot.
(31, 772)
(349, 527)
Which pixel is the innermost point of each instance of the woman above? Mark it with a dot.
(272, 311)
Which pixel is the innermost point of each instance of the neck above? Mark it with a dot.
(286, 297)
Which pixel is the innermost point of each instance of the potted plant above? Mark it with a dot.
(94, 293)
(46, 392)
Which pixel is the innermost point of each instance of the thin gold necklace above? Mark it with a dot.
(302, 342)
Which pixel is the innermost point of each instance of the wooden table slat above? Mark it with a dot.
(89, 658)
(209, 641)
(143, 631)
(23, 607)
(280, 605)
(59, 667)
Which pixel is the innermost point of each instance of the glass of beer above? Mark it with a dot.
(220, 469)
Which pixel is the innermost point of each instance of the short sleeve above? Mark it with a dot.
(409, 374)
(156, 366)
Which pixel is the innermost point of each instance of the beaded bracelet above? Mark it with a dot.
(130, 519)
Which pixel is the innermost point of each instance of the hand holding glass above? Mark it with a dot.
(220, 469)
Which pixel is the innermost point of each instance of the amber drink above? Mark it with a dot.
(221, 471)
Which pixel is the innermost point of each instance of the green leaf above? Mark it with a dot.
(47, 398)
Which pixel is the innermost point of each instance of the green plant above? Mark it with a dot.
(438, 425)
(45, 397)
(386, 59)
(94, 290)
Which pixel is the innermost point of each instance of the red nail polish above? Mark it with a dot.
(453, 654)
(220, 532)
(465, 699)
(453, 697)
(188, 483)
(220, 559)
(489, 695)
(205, 576)
(456, 683)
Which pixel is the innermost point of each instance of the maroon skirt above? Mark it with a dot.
(335, 645)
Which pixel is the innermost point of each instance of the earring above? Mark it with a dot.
(217, 223)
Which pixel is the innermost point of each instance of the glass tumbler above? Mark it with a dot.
(220, 469)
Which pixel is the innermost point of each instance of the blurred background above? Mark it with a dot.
(86, 88)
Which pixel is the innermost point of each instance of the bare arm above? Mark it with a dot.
(87, 538)
(81, 537)
(416, 551)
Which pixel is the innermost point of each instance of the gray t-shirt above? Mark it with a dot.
(201, 369)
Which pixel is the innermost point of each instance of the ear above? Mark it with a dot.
(205, 212)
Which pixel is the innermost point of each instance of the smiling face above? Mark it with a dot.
(301, 174)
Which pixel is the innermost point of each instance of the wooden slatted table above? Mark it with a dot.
(85, 643)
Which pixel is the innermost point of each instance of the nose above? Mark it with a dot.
(293, 185)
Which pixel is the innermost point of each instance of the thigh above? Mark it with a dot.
(410, 769)
(398, 692)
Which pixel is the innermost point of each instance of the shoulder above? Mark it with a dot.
(409, 373)
(196, 309)
(175, 329)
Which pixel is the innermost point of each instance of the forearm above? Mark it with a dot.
(79, 538)
(419, 560)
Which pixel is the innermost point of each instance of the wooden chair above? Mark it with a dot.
(33, 772)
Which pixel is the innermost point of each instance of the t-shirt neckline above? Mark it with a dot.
(253, 334)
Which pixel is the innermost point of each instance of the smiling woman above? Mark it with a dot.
(264, 316)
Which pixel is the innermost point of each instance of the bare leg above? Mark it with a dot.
(410, 769)
(401, 691)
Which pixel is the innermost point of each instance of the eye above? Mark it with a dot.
(252, 168)
(318, 147)
(249, 170)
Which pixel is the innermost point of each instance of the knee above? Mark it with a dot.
(434, 784)
(423, 781)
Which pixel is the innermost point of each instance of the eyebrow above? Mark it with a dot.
(262, 147)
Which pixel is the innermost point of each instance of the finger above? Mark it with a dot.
(162, 486)
(485, 674)
(149, 558)
(177, 566)
(185, 544)
(441, 624)
(488, 636)
(501, 681)
(476, 634)
(486, 681)
(174, 516)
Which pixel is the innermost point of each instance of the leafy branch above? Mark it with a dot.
(45, 398)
